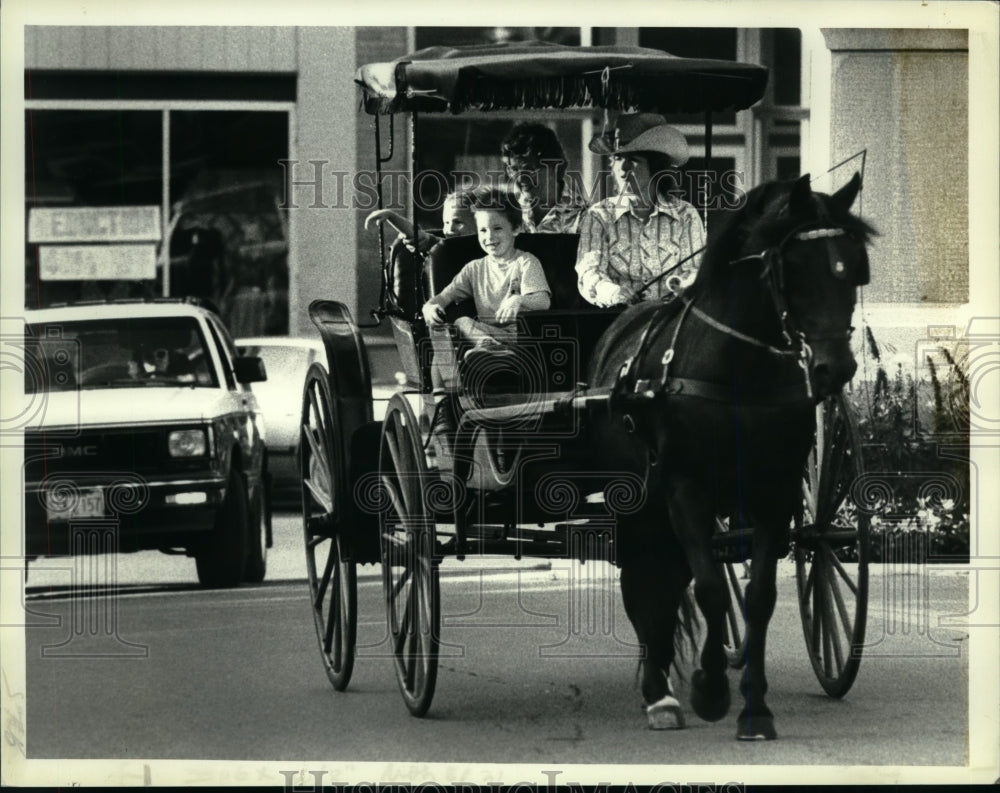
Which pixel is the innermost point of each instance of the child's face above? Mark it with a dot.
(496, 233)
(456, 220)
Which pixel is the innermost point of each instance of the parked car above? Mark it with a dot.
(287, 359)
(143, 420)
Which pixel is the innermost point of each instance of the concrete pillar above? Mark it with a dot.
(322, 224)
(903, 96)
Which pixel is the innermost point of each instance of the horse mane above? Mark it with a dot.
(763, 220)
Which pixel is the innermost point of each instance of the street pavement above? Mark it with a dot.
(538, 666)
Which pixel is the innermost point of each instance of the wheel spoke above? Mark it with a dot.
(398, 586)
(830, 486)
(317, 461)
(318, 407)
(320, 496)
(395, 499)
(736, 613)
(831, 622)
(425, 596)
(314, 541)
(820, 617)
(845, 618)
(325, 580)
(841, 571)
(405, 508)
(808, 587)
(734, 628)
(401, 630)
(736, 590)
(313, 438)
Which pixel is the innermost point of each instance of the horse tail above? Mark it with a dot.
(686, 631)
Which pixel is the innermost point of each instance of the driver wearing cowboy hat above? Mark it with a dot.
(628, 240)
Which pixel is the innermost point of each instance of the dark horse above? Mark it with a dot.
(713, 399)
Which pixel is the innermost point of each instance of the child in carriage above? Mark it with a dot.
(456, 219)
(502, 283)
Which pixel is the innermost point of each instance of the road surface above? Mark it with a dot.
(539, 667)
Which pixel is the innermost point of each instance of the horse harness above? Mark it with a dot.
(796, 343)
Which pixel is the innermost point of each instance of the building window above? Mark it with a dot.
(780, 113)
(220, 232)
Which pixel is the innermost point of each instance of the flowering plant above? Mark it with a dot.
(915, 432)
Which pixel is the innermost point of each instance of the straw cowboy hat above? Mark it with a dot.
(635, 132)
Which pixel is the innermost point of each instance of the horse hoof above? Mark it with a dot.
(665, 714)
(756, 728)
(709, 698)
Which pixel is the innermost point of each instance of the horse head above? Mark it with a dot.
(812, 255)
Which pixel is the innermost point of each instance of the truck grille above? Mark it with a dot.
(102, 451)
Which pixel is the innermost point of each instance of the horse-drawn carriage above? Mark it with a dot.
(708, 429)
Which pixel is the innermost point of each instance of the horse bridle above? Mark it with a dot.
(774, 272)
(796, 341)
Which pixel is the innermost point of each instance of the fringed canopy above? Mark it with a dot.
(536, 75)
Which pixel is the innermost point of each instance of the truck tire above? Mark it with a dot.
(222, 560)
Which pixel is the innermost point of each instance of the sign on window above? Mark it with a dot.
(95, 224)
(97, 262)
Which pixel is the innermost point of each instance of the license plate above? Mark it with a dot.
(88, 504)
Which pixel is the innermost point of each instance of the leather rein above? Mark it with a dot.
(796, 342)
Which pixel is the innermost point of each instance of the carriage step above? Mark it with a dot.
(732, 546)
(809, 539)
(725, 539)
(550, 547)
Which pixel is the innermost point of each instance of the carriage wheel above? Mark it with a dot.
(333, 587)
(409, 569)
(832, 551)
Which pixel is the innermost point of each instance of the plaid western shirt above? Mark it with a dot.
(618, 248)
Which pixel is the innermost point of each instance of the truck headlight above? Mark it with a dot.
(187, 443)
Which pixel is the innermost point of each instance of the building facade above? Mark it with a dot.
(246, 146)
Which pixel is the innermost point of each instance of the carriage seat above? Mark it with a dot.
(556, 252)
(559, 340)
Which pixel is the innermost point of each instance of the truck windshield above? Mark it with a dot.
(130, 352)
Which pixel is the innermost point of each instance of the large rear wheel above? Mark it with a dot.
(332, 574)
(409, 564)
(832, 551)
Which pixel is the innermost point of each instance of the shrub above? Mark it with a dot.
(915, 436)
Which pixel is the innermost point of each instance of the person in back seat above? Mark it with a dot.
(536, 164)
(502, 284)
(627, 241)
(456, 219)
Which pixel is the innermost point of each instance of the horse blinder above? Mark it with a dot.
(838, 268)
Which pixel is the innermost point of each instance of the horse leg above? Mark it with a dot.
(756, 722)
(653, 581)
(694, 522)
